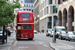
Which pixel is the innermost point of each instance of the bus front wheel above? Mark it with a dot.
(30, 38)
(17, 39)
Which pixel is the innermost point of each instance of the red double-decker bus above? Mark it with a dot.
(25, 25)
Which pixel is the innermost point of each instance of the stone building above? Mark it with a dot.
(47, 14)
(66, 14)
(36, 23)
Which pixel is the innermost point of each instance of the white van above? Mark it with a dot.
(58, 29)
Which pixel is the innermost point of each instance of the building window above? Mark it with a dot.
(28, 1)
(32, 10)
(29, 5)
(24, 5)
(29, 10)
(59, 2)
(55, 21)
(47, 10)
(32, 1)
(21, 1)
(63, 0)
(32, 6)
(50, 22)
(24, 9)
(54, 9)
(50, 1)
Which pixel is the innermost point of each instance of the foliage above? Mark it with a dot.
(7, 11)
(11, 26)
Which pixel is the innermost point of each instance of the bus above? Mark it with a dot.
(25, 25)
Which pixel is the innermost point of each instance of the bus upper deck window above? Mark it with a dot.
(25, 15)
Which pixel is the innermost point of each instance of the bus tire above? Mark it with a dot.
(17, 39)
(30, 38)
(2, 42)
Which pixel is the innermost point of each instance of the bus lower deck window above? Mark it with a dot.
(26, 26)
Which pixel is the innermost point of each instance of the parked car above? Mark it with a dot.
(62, 35)
(51, 35)
(70, 36)
(49, 31)
(35, 32)
(10, 29)
(59, 29)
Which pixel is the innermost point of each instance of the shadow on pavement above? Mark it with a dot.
(25, 40)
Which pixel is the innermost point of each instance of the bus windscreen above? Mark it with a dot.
(26, 26)
(25, 15)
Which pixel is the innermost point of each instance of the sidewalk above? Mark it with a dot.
(7, 44)
(61, 46)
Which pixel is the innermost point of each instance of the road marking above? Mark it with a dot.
(23, 47)
(42, 43)
(45, 46)
(15, 43)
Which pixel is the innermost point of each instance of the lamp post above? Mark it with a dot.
(54, 36)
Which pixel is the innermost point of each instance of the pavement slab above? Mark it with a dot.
(7, 44)
(61, 46)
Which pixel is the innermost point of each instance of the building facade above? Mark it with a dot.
(26, 5)
(36, 16)
(66, 14)
(47, 15)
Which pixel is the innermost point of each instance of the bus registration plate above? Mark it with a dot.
(25, 18)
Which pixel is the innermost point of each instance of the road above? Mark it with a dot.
(28, 44)
(40, 42)
(49, 39)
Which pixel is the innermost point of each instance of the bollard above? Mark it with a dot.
(54, 36)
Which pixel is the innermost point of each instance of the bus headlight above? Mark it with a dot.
(19, 27)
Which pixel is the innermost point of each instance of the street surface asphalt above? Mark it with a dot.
(40, 42)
